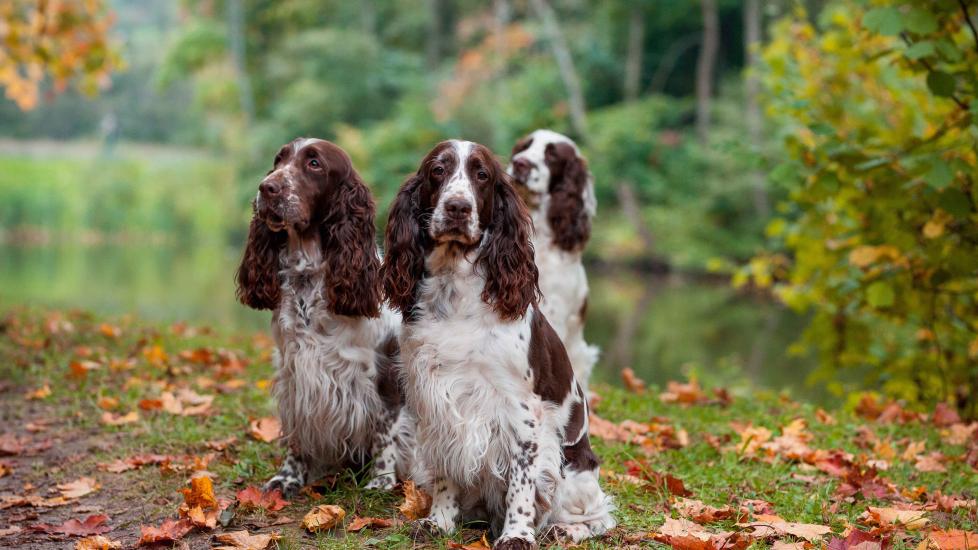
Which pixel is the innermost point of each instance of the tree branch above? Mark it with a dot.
(967, 18)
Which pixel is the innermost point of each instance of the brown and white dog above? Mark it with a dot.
(501, 423)
(554, 182)
(312, 259)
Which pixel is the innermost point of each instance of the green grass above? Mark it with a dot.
(36, 348)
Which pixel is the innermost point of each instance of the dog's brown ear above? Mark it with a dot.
(567, 212)
(404, 247)
(257, 276)
(507, 259)
(349, 247)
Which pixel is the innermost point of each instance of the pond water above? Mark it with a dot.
(664, 328)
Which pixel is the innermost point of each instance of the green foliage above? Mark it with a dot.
(880, 145)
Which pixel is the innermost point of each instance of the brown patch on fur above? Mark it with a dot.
(553, 375)
(522, 145)
(257, 276)
(568, 179)
(575, 423)
(582, 313)
(579, 457)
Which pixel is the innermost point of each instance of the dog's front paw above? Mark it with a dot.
(289, 486)
(384, 482)
(513, 543)
(425, 530)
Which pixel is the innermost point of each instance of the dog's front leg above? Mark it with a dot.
(291, 477)
(520, 524)
(383, 473)
(445, 508)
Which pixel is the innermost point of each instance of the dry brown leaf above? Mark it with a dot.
(169, 531)
(770, 527)
(932, 462)
(953, 539)
(186, 402)
(80, 369)
(914, 448)
(360, 523)
(684, 394)
(945, 416)
(12, 530)
(107, 403)
(242, 540)
(323, 518)
(632, 382)
(699, 512)
(959, 434)
(265, 429)
(417, 503)
(892, 517)
(221, 444)
(782, 545)
(98, 542)
(78, 488)
(109, 331)
(481, 544)
(112, 419)
(200, 493)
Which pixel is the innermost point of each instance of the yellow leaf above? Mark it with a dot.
(323, 518)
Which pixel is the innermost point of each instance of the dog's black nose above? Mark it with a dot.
(458, 208)
(521, 169)
(269, 188)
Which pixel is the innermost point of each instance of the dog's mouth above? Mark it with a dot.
(275, 221)
(453, 232)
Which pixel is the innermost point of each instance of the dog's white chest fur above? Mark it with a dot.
(465, 371)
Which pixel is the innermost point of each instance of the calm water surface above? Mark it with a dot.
(664, 328)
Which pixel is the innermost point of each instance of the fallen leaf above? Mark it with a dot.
(242, 540)
(169, 531)
(858, 540)
(221, 444)
(933, 462)
(699, 512)
(892, 517)
(109, 331)
(80, 369)
(632, 382)
(5, 469)
(417, 503)
(684, 394)
(92, 525)
(945, 416)
(78, 488)
(824, 417)
(914, 448)
(98, 542)
(40, 393)
(252, 497)
(779, 528)
(686, 535)
(481, 544)
(360, 523)
(113, 419)
(186, 402)
(953, 539)
(12, 530)
(200, 493)
(265, 429)
(323, 518)
(656, 480)
(150, 404)
(107, 403)
(959, 434)
(781, 545)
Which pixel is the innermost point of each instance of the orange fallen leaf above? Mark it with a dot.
(169, 531)
(265, 429)
(78, 488)
(109, 331)
(221, 444)
(252, 497)
(242, 540)
(200, 493)
(892, 517)
(481, 544)
(684, 394)
(155, 355)
(5, 469)
(699, 512)
(360, 523)
(777, 527)
(112, 419)
(80, 369)
(107, 403)
(417, 503)
(632, 382)
(98, 542)
(40, 393)
(186, 402)
(92, 525)
(323, 518)
(932, 462)
(953, 539)
(959, 434)
(150, 404)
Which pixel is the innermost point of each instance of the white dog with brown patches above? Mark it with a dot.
(501, 422)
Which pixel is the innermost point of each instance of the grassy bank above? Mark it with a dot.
(84, 397)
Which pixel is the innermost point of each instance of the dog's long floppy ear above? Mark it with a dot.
(404, 246)
(257, 276)
(349, 247)
(507, 259)
(568, 214)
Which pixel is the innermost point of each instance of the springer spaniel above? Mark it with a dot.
(501, 424)
(554, 182)
(312, 259)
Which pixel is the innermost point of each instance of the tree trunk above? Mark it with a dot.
(633, 57)
(705, 67)
(433, 42)
(236, 44)
(669, 60)
(752, 111)
(501, 15)
(565, 64)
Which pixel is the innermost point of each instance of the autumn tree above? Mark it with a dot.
(63, 41)
(876, 107)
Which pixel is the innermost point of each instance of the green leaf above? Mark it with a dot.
(940, 175)
(920, 49)
(955, 202)
(941, 83)
(948, 50)
(885, 21)
(920, 21)
(880, 294)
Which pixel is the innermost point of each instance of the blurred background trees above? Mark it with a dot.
(823, 150)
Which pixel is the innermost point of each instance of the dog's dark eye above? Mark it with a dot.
(438, 171)
(482, 175)
(314, 163)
